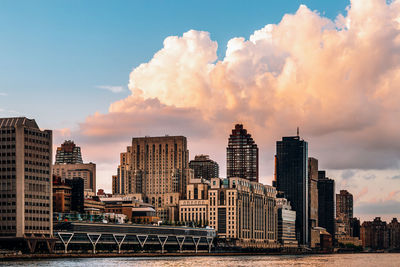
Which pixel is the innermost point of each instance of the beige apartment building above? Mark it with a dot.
(25, 180)
(244, 211)
(158, 168)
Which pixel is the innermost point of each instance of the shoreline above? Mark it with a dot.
(166, 255)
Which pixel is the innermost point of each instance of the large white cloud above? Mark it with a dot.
(338, 80)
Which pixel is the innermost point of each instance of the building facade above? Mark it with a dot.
(86, 171)
(158, 168)
(243, 211)
(394, 234)
(312, 194)
(204, 167)
(374, 234)
(242, 155)
(194, 209)
(286, 234)
(25, 179)
(68, 195)
(326, 203)
(344, 205)
(355, 227)
(291, 173)
(68, 153)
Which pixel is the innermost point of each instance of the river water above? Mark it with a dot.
(341, 260)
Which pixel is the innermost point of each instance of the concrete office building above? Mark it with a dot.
(244, 211)
(25, 180)
(326, 203)
(291, 173)
(158, 168)
(242, 155)
(204, 167)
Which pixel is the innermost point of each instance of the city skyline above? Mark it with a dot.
(345, 103)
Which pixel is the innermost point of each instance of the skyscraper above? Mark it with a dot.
(242, 155)
(344, 205)
(326, 203)
(69, 165)
(291, 179)
(312, 194)
(25, 175)
(157, 168)
(204, 167)
(68, 153)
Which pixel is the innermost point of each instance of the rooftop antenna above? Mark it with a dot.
(298, 131)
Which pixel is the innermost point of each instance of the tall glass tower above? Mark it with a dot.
(291, 180)
(242, 155)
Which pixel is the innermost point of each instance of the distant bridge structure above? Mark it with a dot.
(81, 237)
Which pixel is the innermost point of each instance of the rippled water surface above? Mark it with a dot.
(362, 260)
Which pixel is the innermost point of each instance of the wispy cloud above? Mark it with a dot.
(8, 112)
(114, 89)
(3, 94)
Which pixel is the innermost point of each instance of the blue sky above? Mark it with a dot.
(54, 54)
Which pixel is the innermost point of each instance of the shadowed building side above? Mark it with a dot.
(291, 179)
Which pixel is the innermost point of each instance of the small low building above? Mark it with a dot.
(115, 218)
(94, 206)
(144, 215)
(326, 242)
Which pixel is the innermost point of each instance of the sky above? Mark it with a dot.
(101, 72)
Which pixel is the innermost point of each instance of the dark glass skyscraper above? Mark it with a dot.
(291, 179)
(242, 155)
(326, 203)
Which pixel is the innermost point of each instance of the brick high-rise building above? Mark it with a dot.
(374, 235)
(291, 169)
(394, 233)
(158, 168)
(344, 205)
(204, 167)
(25, 175)
(242, 155)
(326, 203)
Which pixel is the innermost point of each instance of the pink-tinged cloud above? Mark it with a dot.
(338, 80)
(360, 194)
